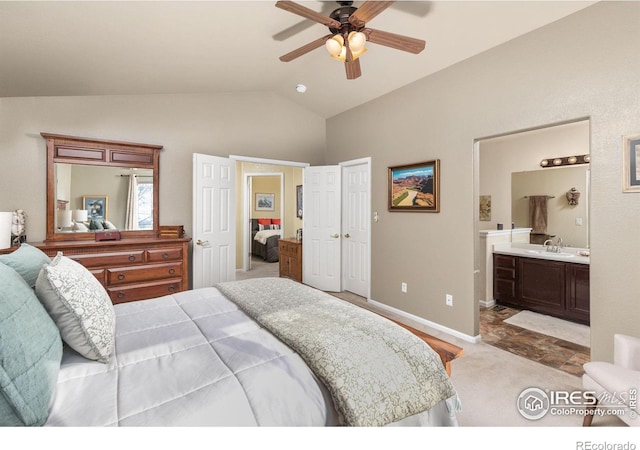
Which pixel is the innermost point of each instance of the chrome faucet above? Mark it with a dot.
(554, 246)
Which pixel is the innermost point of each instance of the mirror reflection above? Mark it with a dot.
(93, 198)
(539, 197)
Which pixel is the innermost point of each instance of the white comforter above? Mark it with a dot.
(194, 359)
(262, 235)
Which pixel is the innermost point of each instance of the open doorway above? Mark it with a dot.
(549, 162)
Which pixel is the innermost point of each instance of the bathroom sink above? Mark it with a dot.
(534, 251)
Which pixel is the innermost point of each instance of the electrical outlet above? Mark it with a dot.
(448, 299)
(403, 287)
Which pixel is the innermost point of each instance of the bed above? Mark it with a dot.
(265, 234)
(261, 352)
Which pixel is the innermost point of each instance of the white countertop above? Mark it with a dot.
(567, 254)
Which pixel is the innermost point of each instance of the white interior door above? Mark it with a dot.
(214, 227)
(355, 227)
(321, 253)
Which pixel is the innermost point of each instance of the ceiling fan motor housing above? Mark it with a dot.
(342, 15)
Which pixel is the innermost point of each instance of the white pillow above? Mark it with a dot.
(274, 227)
(108, 225)
(80, 307)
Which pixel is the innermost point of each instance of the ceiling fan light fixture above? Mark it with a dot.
(335, 45)
(357, 41)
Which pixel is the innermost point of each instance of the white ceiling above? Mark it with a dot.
(148, 47)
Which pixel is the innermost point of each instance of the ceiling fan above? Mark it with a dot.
(349, 33)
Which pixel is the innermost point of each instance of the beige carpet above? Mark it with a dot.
(551, 326)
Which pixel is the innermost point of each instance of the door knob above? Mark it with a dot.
(199, 242)
(335, 236)
(347, 235)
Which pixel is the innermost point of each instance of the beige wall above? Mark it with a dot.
(255, 124)
(579, 67)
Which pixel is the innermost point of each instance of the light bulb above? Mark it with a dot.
(334, 45)
(357, 41)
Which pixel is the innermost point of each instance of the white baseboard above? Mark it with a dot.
(487, 303)
(428, 323)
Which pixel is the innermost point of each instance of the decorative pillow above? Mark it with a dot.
(80, 226)
(274, 227)
(108, 225)
(80, 306)
(276, 222)
(264, 221)
(30, 353)
(261, 227)
(27, 261)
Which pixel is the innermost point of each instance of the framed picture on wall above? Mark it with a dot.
(96, 206)
(415, 187)
(265, 202)
(631, 161)
(299, 201)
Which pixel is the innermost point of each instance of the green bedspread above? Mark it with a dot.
(376, 371)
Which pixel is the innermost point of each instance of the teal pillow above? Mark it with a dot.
(27, 260)
(30, 353)
(96, 225)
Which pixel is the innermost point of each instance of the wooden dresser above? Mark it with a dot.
(290, 254)
(131, 269)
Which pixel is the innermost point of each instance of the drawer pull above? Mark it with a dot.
(121, 295)
(171, 288)
(165, 256)
(121, 276)
(172, 271)
(132, 257)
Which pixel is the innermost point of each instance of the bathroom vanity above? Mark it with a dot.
(526, 276)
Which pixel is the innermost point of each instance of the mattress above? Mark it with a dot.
(194, 359)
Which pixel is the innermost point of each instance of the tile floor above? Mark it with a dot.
(550, 351)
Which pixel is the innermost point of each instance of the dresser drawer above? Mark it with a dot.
(125, 275)
(109, 259)
(130, 293)
(99, 274)
(290, 248)
(164, 254)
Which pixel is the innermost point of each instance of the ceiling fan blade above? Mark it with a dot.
(307, 13)
(368, 11)
(353, 69)
(305, 49)
(397, 41)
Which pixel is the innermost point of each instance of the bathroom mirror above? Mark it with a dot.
(563, 219)
(94, 185)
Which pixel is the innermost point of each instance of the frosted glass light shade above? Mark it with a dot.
(334, 45)
(357, 41)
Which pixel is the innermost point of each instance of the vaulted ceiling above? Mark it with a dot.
(65, 48)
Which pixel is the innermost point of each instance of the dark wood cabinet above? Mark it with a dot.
(550, 287)
(131, 269)
(290, 254)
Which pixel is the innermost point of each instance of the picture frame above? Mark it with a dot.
(97, 206)
(265, 202)
(415, 187)
(485, 208)
(299, 201)
(631, 163)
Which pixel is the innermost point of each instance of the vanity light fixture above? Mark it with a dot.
(565, 161)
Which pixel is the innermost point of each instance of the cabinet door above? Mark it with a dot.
(504, 278)
(541, 285)
(578, 299)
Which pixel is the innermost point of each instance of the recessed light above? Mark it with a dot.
(301, 88)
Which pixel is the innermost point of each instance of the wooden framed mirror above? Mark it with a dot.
(95, 184)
